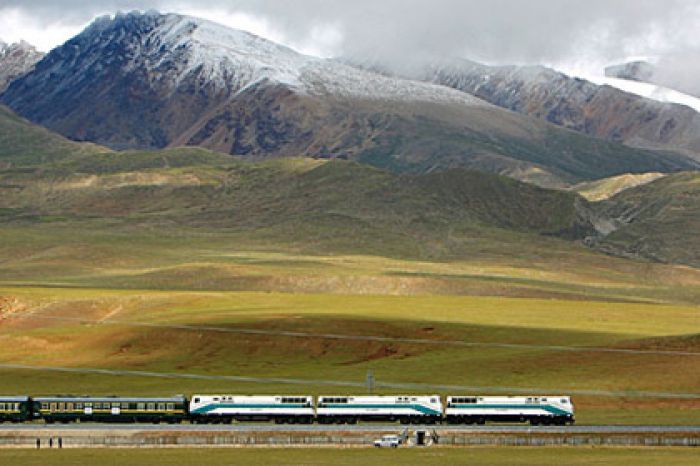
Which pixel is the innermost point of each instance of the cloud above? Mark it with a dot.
(495, 31)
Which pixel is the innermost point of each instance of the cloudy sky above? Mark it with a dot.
(568, 34)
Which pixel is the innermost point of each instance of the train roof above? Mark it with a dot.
(122, 399)
(14, 398)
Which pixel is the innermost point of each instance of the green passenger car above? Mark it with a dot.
(66, 409)
(15, 408)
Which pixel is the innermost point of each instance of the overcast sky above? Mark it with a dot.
(569, 34)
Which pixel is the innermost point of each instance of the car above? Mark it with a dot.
(388, 441)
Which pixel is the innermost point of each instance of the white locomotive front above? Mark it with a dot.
(533, 409)
(291, 409)
(406, 409)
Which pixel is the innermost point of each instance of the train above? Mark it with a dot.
(292, 409)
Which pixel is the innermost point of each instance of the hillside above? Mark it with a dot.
(23, 143)
(659, 220)
(145, 81)
(600, 190)
(328, 204)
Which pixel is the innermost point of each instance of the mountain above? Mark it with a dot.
(144, 81)
(16, 60)
(659, 220)
(599, 111)
(342, 204)
(641, 71)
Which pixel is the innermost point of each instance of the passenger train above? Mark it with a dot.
(292, 409)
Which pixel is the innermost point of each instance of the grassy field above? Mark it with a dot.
(480, 456)
(200, 333)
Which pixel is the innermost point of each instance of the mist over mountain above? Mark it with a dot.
(667, 73)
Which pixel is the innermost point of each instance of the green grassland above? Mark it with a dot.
(491, 456)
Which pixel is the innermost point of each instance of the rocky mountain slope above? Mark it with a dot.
(152, 81)
(16, 60)
(600, 111)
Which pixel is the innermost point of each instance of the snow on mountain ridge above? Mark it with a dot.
(16, 60)
(233, 60)
(650, 91)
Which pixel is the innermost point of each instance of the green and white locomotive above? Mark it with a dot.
(407, 409)
(292, 409)
(555, 410)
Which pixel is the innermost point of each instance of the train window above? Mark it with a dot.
(171, 406)
(196, 400)
(216, 398)
(141, 406)
(433, 400)
(151, 407)
(125, 405)
(78, 406)
(88, 405)
(161, 406)
(53, 407)
(70, 406)
(564, 401)
(2, 406)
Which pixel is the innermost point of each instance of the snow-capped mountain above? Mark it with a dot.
(150, 80)
(611, 109)
(16, 60)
